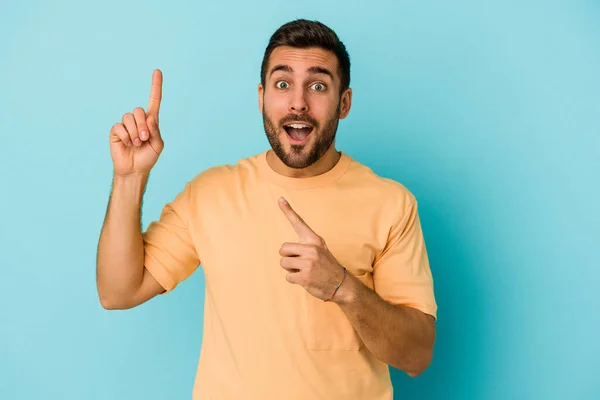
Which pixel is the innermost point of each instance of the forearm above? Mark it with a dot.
(400, 336)
(120, 262)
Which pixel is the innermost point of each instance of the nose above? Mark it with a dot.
(298, 101)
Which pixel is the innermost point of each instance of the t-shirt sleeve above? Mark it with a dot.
(401, 273)
(169, 251)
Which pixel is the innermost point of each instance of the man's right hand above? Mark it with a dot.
(135, 142)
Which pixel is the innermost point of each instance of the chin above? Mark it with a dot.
(295, 160)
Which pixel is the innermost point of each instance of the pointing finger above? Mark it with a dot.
(305, 233)
(155, 93)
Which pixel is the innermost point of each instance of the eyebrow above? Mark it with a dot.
(312, 70)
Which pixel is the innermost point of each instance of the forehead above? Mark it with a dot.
(300, 60)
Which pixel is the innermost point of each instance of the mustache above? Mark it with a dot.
(298, 118)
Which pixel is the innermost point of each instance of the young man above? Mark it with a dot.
(317, 276)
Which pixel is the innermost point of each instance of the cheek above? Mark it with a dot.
(275, 99)
(272, 115)
(323, 105)
(323, 110)
(274, 107)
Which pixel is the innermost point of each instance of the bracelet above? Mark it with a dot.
(338, 286)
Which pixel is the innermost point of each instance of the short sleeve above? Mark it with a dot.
(169, 251)
(401, 273)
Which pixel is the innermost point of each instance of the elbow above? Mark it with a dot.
(107, 303)
(414, 374)
(423, 357)
(421, 366)
(113, 305)
(112, 302)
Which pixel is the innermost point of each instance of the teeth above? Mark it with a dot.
(298, 126)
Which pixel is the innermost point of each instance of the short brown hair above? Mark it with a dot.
(304, 34)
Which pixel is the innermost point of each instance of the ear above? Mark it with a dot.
(260, 97)
(345, 103)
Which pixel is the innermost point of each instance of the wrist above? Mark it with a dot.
(129, 186)
(348, 291)
(134, 177)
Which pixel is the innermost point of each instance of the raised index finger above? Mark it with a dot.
(305, 233)
(155, 93)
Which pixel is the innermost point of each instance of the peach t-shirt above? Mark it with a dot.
(265, 338)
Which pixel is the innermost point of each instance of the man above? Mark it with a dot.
(317, 276)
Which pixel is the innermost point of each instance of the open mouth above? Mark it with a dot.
(298, 133)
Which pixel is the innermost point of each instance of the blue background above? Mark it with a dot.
(488, 113)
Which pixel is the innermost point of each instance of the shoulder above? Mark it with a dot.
(388, 193)
(223, 175)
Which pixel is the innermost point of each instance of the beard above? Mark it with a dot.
(298, 157)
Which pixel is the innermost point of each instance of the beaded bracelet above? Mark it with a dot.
(338, 286)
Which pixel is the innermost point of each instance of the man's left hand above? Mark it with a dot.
(309, 262)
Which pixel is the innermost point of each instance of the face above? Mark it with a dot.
(301, 104)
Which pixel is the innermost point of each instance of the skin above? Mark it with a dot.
(311, 97)
(135, 145)
(400, 336)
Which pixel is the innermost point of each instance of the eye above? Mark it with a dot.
(319, 87)
(281, 85)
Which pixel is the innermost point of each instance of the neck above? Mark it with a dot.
(324, 164)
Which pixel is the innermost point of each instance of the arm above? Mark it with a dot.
(400, 336)
(121, 278)
(135, 145)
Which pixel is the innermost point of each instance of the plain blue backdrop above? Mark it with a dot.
(489, 113)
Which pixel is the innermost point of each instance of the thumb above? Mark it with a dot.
(155, 139)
